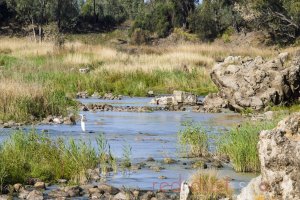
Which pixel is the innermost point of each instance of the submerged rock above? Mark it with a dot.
(169, 161)
(254, 83)
(279, 154)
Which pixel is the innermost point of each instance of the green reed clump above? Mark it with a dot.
(126, 157)
(33, 155)
(193, 140)
(240, 144)
(106, 159)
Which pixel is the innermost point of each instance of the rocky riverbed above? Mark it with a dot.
(150, 134)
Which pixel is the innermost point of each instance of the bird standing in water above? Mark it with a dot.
(83, 120)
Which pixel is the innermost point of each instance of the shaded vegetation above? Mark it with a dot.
(208, 19)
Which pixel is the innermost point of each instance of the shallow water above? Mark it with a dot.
(149, 134)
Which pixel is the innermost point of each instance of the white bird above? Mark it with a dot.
(83, 120)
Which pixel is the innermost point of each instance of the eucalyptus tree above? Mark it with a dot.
(35, 12)
(65, 13)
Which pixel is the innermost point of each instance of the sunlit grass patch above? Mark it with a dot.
(205, 185)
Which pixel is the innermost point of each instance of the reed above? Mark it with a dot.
(240, 144)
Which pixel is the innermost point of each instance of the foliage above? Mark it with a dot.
(208, 19)
(212, 18)
(240, 144)
(193, 140)
(139, 37)
(280, 18)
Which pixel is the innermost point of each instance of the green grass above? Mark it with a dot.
(7, 61)
(240, 144)
(193, 140)
(22, 107)
(295, 107)
(31, 155)
(136, 83)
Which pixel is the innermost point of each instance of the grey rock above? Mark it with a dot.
(58, 194)
(23, 194)
(105, 188)
(5, 197)
(40, 185)
(253, 84)
(35, 195)
(279, 154)
(17, 187)
(121, 196)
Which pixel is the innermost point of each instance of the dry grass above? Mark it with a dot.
(144, 58)
(21, 101)
(25, 47)
(206, 185)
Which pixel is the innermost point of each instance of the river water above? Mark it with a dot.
(151, 134)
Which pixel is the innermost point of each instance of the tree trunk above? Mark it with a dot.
(40, 33)
(33, 30)
(95, 17)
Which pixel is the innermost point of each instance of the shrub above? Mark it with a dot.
(139, 36)
(193, 140)
(205, 185)
(240, 144)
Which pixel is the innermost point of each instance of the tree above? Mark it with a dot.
(280, 18)
(212, 18)
(31, 11)
(65, 13)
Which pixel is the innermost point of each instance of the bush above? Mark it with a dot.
(240, 144)
(139, 37)
(193, 140)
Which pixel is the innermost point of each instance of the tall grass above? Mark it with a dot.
(240, 144)
(20, 101)
(205, 185)
(31, 155)
(193, 140)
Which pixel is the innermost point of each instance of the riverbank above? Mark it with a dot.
(121, 69)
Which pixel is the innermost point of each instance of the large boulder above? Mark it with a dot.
(279, 154)
(255, 83)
